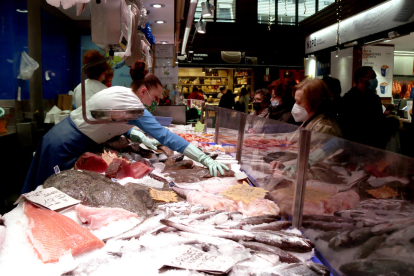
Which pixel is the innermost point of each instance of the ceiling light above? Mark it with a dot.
(176, 62)
(164, 42)
(157, 6)
(23, 11)
(201, 27)
(206, 11)
(160, 21)
(191, 49)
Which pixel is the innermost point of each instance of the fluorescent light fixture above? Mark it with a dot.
(164, 42)
(388, 40)
(205, 9)
(403, 52)
(189, 24)
(201, 27)
(157, 6)
(375, 41)
(160, 21)
(22, 11)
(351, 44)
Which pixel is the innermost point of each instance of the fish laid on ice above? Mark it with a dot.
(213, 202)
(98, 217)
(148, 225)
(181, 208)
(284, 241)
(400, 251)
(392, 226)
(327, 236)
(326, 219)
(207, 215)
(383, 204)
(259, 219)
(232, 234)
(274, 226)
(53, 235)
(375, 267)
(258, 207)
(305, 269)
(284, 256)
(195, 175)
(368, 247)
(403, 236)
(327, 226)
(350, 238)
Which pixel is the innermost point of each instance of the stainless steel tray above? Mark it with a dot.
(117, 114)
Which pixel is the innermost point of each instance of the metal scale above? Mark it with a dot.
(107, 31)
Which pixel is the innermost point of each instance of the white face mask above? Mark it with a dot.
(275, 103)
(299, 113)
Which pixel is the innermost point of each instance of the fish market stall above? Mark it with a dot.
(121, 221)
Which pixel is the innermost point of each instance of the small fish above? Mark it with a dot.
(374, 267)
(273, 259)
(274, 226)
(281, 240)
(207, 215)
(284, 256)
(367, 248)
(337, 243)
(259, 219)
(350, 238)
(227, 234)
(351, 213)
(327, 236)
(326, 219)
(305, 269)
(327, 226)
(392, 226)
(403, 236)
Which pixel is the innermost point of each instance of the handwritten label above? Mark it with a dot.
(57, 170)
(244, 192)
(49, 198)
(199, 127)
(189, 257)
(166, 196)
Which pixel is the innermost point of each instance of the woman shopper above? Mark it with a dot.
(282, 101)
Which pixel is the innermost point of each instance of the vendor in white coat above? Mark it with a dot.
(95, 75)
(72, 137)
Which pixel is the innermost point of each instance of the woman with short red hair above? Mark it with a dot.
(282, 101)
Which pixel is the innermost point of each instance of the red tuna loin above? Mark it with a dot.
(91, 162)
(119, 169)
(140, 169)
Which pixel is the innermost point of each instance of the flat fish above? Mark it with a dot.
(53, 235)
(182, 165)
(284, 256)
(196, 175)
(374, 267)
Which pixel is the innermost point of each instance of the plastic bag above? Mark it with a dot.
(27, 67)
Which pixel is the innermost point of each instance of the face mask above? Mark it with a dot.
(299, 113)
(257, 106)
(275, 103)
(373, 84)
(153, 105)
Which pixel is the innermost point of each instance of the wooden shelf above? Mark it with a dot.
(214, 77)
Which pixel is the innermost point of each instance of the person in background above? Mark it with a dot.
(221, 93)
(243, 102)
(227, 100)
(95, 75)
(334, 86)
(109, 75)
(196, 95)
(360, 115)
(313, 107)
(261, 103)
(282, 101)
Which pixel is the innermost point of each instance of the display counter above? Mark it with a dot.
(352, 200)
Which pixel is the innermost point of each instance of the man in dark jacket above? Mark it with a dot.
(227, 100)
(361, 116)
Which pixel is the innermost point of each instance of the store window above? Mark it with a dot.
(306, 8)
(286, 12)
(324, 3)
(225, 11)
(265, 8)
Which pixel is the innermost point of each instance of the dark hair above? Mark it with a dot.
(316, 93)
(96, 71)
(334, 86)
(283, 88)
(265, 95)
(361, 72)
(195, 89)
(229, 91)
(140, 77)
(243, 91)
(222, 89)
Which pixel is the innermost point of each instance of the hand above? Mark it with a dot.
(194, 153)
(138, 136)
(290, 170)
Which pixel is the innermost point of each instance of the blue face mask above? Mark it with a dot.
(373, 84)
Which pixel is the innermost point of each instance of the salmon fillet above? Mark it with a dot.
(53, 235)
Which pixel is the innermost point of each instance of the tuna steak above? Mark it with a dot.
(119, 169)
(140, 169)
(91, 162)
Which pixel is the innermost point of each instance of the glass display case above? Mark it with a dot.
(353, 201)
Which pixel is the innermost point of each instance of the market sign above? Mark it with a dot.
(381, 18)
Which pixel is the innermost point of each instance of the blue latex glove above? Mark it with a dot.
(194, 153)
(138, 136)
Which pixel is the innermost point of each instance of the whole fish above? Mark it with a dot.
(350, 213)
(327, 236)
(227, 234)
(274, 226)
(283, 255)
(403, 236)
(273, 259)
(181, 192)
(367, 248)
(305, 269)
(207, 215)
(286, 242)
(259, 219)
(148, 225)
(326, 219)
(350, 238)
(375, 267)
(327, 226)
(392, 226)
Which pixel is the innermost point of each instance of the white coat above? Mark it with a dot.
(91, 88)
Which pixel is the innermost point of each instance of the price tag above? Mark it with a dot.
(166, 196)
(244, 192)
(199, 127)
(49, 198)
(189, 257)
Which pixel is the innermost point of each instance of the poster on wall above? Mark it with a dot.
(167, 74)
(381, 59)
